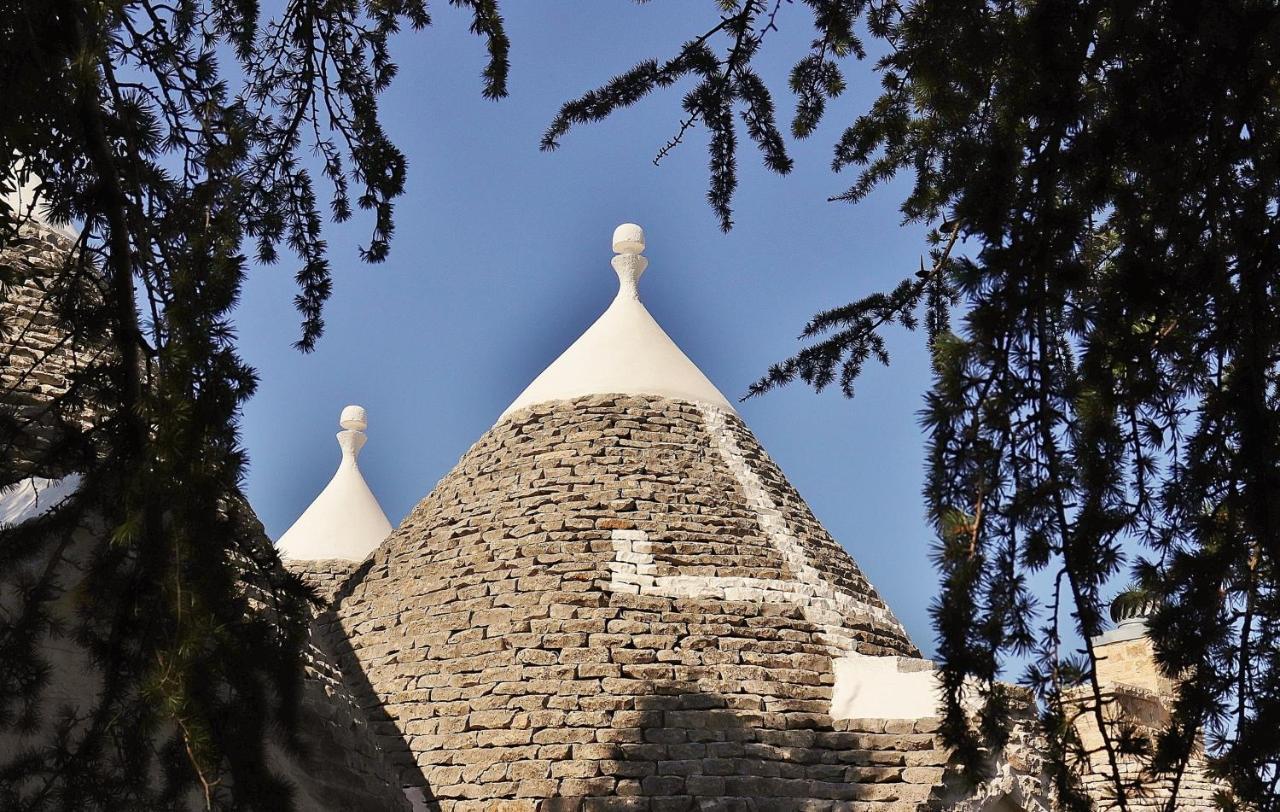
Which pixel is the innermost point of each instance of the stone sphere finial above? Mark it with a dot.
(354, 418)
(628, 238)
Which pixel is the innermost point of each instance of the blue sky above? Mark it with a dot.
(501, 259)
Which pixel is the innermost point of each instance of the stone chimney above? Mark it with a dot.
(1125, 655)
(1134, 693)
(1136, 698)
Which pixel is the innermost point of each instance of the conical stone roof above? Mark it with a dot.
(613, 593)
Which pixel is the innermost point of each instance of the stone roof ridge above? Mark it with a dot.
(625, 352)
(345, 521)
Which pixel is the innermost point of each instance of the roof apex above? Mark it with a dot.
(625, 351)
(345, 520)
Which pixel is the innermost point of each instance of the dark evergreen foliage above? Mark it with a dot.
(1103, 184)
(173, 133)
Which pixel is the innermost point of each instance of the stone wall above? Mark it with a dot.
(1129, 709)
(618, 603)
(38, 355)
(1136, 698)
(342, 766)
(1129, 660)
(325, 576)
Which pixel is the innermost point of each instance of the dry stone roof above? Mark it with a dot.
(341, 765)
(616, 601)
(39, 355)
(620, 594)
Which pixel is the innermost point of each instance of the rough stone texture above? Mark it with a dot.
(342, 766)
(38, 355)
(1148, 713)
(1132, 663)
(1137, 697)
(325, 576)
(512, 662)
(619, 603)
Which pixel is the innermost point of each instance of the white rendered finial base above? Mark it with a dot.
(625, 351)
(629, 267)
(351, 442)
(345, 520)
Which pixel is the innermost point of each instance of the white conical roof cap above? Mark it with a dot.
(345, 520)
(625, 351)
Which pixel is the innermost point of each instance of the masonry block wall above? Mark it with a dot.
(37, 353)
(1135, 697)
(1131, 662)
(342, 767)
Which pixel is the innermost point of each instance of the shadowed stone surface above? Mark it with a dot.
(342, 767)
(39, 354)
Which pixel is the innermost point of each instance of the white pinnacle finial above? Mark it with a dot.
(345, 520)
(625, 352)
(630, 262)
(628, 238)
(354, 418)
(352, 437)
